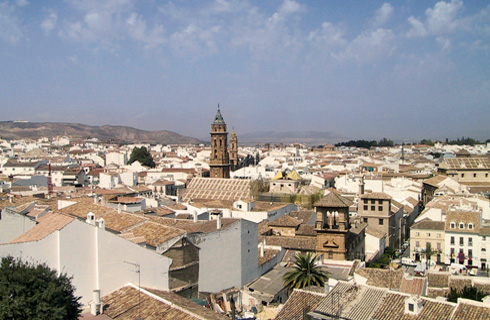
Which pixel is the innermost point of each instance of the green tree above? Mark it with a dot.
(143, 156)
(29, 291)
(305, 273)
(471, 293)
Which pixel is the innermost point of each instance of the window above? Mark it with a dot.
(365, 207)
(470, 253)
(470, 226)
(373, 201)
(439, 235)
(474, 175)
(417, 244)
(461, 241)
(380, 202)
(452, 240)
(439, 246)
(380, 208)
(373, 208)
(462, 175)
(417, 234)
(453, 225)
(380, 222)
(428, 234)
(461, 225)
(365, 201)
(411, 307)
(483, 249)
(470, 241)
(365, 220)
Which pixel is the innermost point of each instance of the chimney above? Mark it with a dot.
(413, 305)
(261, 246)
(11, 199)
(95, 200)
(102, 201)
(194, 215)
(218, 222)
(119, 208)
(96, 305)
(101, 223)
(90, 218)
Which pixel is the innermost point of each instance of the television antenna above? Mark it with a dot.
(138, 271)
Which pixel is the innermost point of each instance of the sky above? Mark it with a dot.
(367, 69)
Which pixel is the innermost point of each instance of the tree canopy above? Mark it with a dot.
(143, 156)
(29, 291)
(305, 273)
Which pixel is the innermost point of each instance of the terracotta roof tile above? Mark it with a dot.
(471, 310)
(333, 200)
(217, 189)
(125, 304)
(48, 224)
(393, 307)
(299, 302)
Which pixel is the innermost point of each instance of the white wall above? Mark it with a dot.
(227, 257)
(95, 258)
(13, 225)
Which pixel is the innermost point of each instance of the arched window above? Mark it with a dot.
(461, 225)
(452, 225)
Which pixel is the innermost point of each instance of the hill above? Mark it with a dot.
(118, 134)
(310, 138)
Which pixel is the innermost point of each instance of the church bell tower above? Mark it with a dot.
(220, 159)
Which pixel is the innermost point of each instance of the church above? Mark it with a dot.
(222, 160)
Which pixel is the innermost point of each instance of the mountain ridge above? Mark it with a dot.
(116, 133)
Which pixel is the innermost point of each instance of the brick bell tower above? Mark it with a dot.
(220, 159)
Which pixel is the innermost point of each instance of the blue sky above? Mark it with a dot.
(359, 69)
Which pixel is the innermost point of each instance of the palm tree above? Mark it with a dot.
(428, 252)
(305, 273)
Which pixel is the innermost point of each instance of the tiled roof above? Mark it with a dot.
(466, 163)
(303, 215)
(376, 195)
(156, 234)
(48, 224)
(351, 301)
(218, 189)
(382, 278)
(299, 243)
(438, 279)
(299, 302)
(285, 221)
(436, 181)
(427, 224)
(393, 307)
(333, 200)
(128, 304)
(413, 286)
(473, 310)
(205, 226)
(466, 218)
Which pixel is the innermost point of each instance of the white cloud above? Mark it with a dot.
(383, 14)
(10, 28)
(49, 23)
(370, 46)
(442, 19)
(444, 43)
(21, 3)
(138, 31)
(328, 35)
